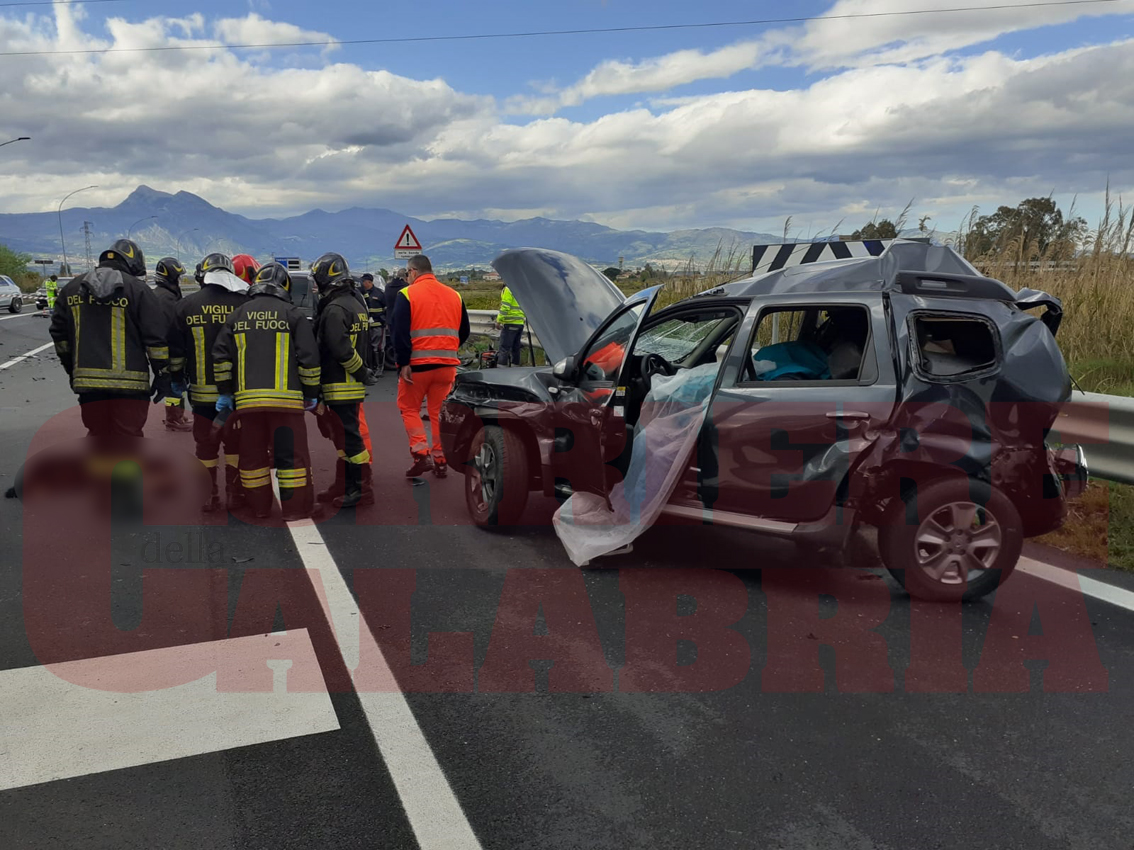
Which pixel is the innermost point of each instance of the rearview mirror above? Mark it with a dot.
(564, 369)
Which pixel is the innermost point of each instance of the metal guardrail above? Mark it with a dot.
(481, 321)
(1104, 426)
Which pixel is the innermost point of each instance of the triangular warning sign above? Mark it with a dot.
(407, 241)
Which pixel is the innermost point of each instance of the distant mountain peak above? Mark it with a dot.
(146, 195)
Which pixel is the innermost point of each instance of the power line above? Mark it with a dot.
(542, 33)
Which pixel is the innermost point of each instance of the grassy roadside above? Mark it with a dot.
(1100, 526)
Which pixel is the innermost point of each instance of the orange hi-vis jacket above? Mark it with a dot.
(435, 322)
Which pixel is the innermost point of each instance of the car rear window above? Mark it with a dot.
(951, 347)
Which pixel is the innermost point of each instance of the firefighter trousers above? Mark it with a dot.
(285, 433)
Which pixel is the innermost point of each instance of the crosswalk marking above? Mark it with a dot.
(53, 729)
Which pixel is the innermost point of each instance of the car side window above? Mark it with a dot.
(813, 343)
(604, 358)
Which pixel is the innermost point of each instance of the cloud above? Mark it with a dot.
(830, 42)
(950, 131)
(652, 75)
(253, 29)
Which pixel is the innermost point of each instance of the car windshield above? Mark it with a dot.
(677, 338)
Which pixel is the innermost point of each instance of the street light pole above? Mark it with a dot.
(59, 212)
(187, 232)
(13, 141)
(136, 223)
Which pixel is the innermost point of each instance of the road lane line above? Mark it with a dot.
(52, 728)
(434, 813)
(1077, 581)
(20, 316)
(31, 353)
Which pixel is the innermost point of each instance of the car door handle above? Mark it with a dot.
(848, 414)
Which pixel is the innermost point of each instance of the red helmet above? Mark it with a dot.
(245, 268)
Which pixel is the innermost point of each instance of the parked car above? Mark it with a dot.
(925, 412)
(10, 295)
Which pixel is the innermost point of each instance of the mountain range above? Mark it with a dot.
(188, 226)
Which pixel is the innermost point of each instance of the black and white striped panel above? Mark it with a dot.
(770, 258)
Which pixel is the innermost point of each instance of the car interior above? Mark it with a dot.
(811, 344)
(949, 346)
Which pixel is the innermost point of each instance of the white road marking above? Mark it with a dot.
(20, 316)
(54, 729)
(1078, 582)
(31, 353)
(434, 813)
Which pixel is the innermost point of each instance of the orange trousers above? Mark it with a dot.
(432, 386)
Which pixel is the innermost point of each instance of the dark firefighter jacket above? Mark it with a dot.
(341, 329)
(198, 321)
(375, 300)
(109, 330)
(168, 296)
(266, 355)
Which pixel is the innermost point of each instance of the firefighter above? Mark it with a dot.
(430, 324)
(167, 275)
(51, 288)
(375, 301)
(342, 331)
(109, 333)
(198, 321)
(267, 365)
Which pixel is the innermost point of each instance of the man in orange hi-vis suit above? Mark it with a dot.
(430, 323)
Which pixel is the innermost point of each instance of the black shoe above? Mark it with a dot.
(350, 500)
(212, 505)
(440, 468)
(421, 465)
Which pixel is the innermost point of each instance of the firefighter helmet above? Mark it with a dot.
(245, 268)
(170, 270)
(330, 271)
(127, 253)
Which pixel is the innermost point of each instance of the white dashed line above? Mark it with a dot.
(31, 353)
(19, 316)
(434, 813)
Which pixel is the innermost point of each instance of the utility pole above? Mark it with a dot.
(87, 234)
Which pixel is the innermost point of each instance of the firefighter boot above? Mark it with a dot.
(353, 494)
(213, 502)
(233, 490)
(367, 485)
(338, 487)
(295, 503)
(175, 419)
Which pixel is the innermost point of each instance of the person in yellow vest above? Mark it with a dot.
(511, 321)
(430, 324)
(51, 286)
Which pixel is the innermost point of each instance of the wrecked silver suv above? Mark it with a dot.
(902, 391)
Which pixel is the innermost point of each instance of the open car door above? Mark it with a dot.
(590, 410)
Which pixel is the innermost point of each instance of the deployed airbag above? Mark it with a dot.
(664, 438)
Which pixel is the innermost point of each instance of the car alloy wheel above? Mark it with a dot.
(957, 543)
(486, 477)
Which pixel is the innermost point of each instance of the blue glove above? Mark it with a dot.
(311, 404)
(177, 389)
(225, 402)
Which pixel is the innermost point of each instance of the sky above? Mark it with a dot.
(831, 121)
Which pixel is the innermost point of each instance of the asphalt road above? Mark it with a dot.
(708, 690)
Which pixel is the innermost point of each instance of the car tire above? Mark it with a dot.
(934, 538)
(498, 454)
(17, 305)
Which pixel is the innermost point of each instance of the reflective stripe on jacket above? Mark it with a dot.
(341, 331)
(198, 321)
(510, 312)
(435, 322)
(110, 344)
(266, 356)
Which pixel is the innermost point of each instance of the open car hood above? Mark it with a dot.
(564, 299)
